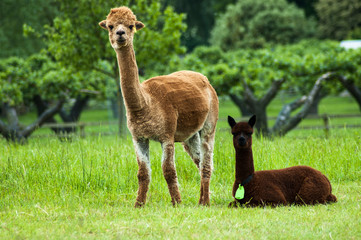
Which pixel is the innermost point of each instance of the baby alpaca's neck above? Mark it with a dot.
(244, 164)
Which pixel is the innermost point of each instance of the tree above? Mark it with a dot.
(253, 78)
(339, 19)
(255, 23)
(84, 86)
(13, 92)
(49, 86)
(16, 13)
(200, 18)
(76, 39)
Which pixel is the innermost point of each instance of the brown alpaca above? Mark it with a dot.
(180, 107)
(293, 185)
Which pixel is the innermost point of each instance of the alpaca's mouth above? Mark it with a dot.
(120, 40)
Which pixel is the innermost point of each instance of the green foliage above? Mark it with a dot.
(339, 19)
(200, 17)
(13, 84)
(299, 64)
(77, 40)
(14, 14)
(160, 39)
(254, 24)
(22, 79)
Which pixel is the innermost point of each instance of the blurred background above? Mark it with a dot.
(295, 64)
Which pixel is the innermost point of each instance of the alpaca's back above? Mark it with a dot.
(187, 97)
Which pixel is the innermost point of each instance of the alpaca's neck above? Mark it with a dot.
(129, 80)
(244, 164)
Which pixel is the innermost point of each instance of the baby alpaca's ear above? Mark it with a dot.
(252, 121)
(139, 25)
(103, 24)
(231, 121)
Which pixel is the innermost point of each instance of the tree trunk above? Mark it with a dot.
(14, 132)
(76, 110)
(351, 88)
(316, 103)
(242, 106)
(285, 122)
(114, 106)
(73, 116)
(41, 107)
(259, 106)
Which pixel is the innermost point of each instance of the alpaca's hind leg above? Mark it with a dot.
(312, 191)
(193, 147)
(144, 171)
(206, 166)
(169, 171)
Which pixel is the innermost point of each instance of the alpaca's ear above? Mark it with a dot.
(103, 24)
(252, 121)
(139, 25)
(231, 121)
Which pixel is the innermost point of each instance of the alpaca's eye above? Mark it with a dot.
(131, 27)
(249, 134)
(111, 27)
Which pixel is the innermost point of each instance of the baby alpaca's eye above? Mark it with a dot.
(131, 27)
(111, 27)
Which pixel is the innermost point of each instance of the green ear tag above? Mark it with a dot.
(240, 192)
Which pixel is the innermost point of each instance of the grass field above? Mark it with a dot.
(86, 188)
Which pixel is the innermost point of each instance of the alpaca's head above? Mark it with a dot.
(121, 24)
(242, 132)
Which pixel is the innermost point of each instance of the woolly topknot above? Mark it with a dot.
(122, 15)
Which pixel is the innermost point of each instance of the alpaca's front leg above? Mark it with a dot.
(144, 170)
(169, 171)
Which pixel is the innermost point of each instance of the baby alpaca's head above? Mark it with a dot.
(242, 132)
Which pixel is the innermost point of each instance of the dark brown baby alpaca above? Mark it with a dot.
(293, 185)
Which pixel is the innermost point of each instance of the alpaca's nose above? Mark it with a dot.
(120, 32)
(242, 141)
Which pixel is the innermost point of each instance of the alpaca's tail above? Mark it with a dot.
(331, 198)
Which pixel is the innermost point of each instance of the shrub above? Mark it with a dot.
(253, 23)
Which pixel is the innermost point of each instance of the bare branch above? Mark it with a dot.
(291, 123)
(42, 119)
(249, 97)
(240, 103)
(272, 91)
(351, 88)
(286, 111)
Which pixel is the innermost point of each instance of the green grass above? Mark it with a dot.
(86, 188)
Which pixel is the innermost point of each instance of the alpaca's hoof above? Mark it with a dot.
(176, 203)
(233, 204)
(139, 204)
(204, 203)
